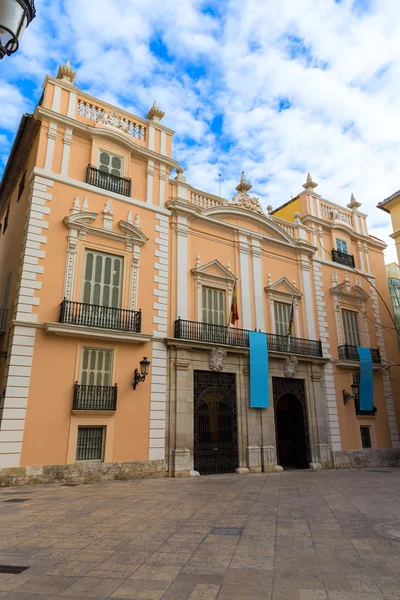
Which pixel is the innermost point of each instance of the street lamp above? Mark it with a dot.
(15, 16)
(144, 371)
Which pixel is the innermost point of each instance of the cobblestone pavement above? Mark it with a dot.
(300, 535)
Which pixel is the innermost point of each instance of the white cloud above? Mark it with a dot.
(335, 66)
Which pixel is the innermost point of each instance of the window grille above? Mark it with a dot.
(90, 443)
(365, 431)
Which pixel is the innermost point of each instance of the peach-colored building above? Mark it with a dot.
(108, 264)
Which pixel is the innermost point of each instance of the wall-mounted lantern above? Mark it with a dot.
(347, 396)
(142, 374)
(15, 16)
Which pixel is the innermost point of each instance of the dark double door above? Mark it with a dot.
(215, 431)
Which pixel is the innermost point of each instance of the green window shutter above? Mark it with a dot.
(109, 163)
(214, 306)
(96, 367)
(102, 280)
(350, 326)
(282, 316)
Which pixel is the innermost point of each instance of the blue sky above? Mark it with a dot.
(273, 88)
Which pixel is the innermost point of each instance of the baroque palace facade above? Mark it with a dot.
(116, 285)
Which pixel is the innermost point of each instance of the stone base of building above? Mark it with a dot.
(82, 472)
(374, 457)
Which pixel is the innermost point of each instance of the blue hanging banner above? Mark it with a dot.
(259, 388)
(366, 379)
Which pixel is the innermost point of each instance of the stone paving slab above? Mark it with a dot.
(298, 535)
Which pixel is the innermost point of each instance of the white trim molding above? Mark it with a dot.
(245, 281)
(182, 267)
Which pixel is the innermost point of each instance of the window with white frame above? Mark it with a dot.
(214, 311)
(102, 279)
(282, 316)
(341, 246)
(110, 163)
(96, 367)
(350, 326)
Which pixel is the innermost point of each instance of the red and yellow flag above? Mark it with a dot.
(234, 315)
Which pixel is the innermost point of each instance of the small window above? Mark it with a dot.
(90, 445)
(350, 326)
(102, 279)
(282, 317)
(96, 367)
(5, 224)
(366, 436)
(341, 246)
(21, 186)
(109, 163)
(214, 306)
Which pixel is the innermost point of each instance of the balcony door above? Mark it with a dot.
(96, 367)
(109, 163)
(350, 326)
(102, 279)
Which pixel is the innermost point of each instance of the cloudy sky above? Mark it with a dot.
(274, 87)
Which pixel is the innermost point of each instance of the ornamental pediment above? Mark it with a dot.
(214, 270)
(345, 290)
(283, 287)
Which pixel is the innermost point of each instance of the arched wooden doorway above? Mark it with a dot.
(291, 426)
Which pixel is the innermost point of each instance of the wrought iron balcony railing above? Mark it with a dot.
(347, 352)
(95, 397)
(343, 258)
(3, 320)
(107, 181)
(232, 336)
(104, 317)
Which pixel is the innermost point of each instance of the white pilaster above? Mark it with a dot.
(51, 138)
(163, 143)
(367, 265)
(56, 99)
(162, 185)
(258, 288)
(182, 267)
(72, 105)
(308, 299)
(151, 133)
(150, 174)
(66, 151)
(245, 281)
(360, 256)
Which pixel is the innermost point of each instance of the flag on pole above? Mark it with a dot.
(234, 314)
(291, 318)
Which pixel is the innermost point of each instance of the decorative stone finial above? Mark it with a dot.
(297, 216)
(197, 261)
(353, 204)
(155, 114)
(180, 173)
(137, 220)
(229, 266)
(309, 184)
(243, 199)
(243, 185)
(76, 206)
(66, 73)
(269, 209)
(85, 205)
(269, 279)
(129, 218)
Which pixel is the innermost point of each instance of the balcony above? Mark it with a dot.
(103, 317)
(343, 258)
(231, 336)
(107, 181)
(3, 320)
(347, 352)
(95, 397)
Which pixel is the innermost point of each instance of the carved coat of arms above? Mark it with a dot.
(217, 358)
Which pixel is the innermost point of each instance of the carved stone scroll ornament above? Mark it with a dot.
(290, 367)
(217, 358)
(243, 199)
